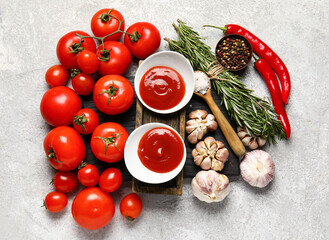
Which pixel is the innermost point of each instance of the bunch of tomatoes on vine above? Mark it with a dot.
(61, 107)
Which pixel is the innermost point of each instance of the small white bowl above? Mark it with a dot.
(134, 164)
(173, 60)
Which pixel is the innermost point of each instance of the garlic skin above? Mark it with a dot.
(210, 154)
(199, 124)
(257, 168)
(250, 141)
(210, 186)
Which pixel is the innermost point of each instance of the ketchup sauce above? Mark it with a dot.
(161, 150)
(162, 88)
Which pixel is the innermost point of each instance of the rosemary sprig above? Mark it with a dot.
(247, 110)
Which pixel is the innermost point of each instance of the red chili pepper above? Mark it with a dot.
(265, 70)
(263, 51)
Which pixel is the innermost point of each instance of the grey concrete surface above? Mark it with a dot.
(294, 206)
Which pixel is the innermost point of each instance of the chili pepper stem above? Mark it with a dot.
(224, 29)
(255, 58)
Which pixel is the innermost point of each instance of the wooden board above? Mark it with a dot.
(175, 120)
(129, 120)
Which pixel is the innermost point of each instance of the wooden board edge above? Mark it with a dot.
(156, 190)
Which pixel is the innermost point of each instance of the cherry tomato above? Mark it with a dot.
(110, 180)
(65, 181)
(93, 209)
(55, 201)
(144, 39)
(68, 48)
(88, 62)
(108, 142)
(64, 148)
(113, 94)
(131, 206)
(58, 106)
(115, 58)
(57, 75)
(83, 84)
(88, 175)
(105, 21)
(85, 121)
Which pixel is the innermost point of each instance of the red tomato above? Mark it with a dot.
(118, 55)
(131, 206)
(144, 39)
(110, 180)
(88, 62)
(88, 175)
(65, 148)
(57, 75)
(108, 142)
(85, 121)
(58, 106)
(93, 209)
(113, 94)
(83, 84)
(68, 48)
(106, 21)
(55, 201)
(65, 181)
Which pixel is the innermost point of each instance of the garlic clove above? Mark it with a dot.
(206, 163)
(242, 134)
(198, 160)
(217, 165)
(200, 146)
(257, 168)
(200, 134)
(209, 141)
(246, 141)
(222, 155)
(192, 138)
(190, 129)
(253, 144)
(194, 152)
(212, 126)
(261, 141)
(200, 114)
(219, 144)
(210, 117)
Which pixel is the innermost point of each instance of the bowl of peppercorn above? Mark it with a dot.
(234, 52)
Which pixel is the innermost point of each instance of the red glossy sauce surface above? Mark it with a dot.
(160, 150)
(162, 88)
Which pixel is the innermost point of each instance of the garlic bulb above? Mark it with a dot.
(250, 141)
(199, 124)
(210, 186)
(257, 168)
(210, 154)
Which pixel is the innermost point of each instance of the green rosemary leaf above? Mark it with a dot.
(246, 109)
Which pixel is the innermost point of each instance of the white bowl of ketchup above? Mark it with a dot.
(164, 82)
(154, 153)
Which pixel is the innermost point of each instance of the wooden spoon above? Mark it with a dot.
(229, 133)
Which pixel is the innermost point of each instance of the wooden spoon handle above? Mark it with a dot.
(229, 133)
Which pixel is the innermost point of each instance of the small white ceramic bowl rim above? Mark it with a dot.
(134, 164)
(179, 64)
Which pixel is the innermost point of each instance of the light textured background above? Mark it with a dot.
(294, 206)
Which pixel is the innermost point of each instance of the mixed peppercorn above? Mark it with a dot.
(233, 53)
